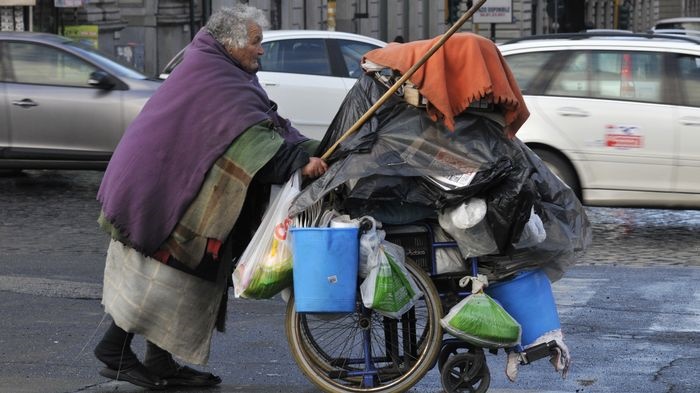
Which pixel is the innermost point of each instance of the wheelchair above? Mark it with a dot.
(363, 351)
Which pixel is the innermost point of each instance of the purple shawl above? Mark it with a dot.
(161, 161)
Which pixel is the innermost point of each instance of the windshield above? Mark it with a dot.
(105, 61)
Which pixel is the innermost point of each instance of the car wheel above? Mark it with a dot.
(561, 168)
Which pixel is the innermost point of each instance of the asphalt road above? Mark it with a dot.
(630, 307)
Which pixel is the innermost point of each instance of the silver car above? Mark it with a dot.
(63, 104)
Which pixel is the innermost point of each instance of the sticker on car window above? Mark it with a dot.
(623, 136)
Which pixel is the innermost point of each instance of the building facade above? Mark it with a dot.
(148, 33)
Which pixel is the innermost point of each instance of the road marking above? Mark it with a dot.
(685, 320)
(50, 287)
(575, 292)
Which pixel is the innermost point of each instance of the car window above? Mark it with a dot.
(298, 56)
(573, 79)
(105, 60)
(687, 25)
(526, 67)
(689, 67)
(352, 52)
(634, 76)
(41, 64)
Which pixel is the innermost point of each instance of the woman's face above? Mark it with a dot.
(249, 54)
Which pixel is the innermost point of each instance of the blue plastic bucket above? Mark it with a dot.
(528, 298)
(325, 269)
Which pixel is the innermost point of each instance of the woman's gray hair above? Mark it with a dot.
(229, 25)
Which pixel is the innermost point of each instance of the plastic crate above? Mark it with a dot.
(416, 241)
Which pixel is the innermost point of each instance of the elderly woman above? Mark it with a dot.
(179, 199)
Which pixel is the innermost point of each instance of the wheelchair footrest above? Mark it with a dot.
(538, 352)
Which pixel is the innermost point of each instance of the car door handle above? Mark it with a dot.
(269, 83)
(690, 121)
(25, 103)
(572, 112)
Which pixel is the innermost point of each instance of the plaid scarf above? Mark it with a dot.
(215, 209)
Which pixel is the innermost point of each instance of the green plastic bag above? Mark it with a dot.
(480, 320)
(388, 288)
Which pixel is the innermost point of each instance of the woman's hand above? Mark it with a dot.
(315, 168)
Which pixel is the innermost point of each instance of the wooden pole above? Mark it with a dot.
(404, 78)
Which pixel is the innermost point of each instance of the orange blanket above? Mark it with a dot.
(466, 68)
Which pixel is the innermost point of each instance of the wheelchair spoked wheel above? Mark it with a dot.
(364, 351)
(466, 372)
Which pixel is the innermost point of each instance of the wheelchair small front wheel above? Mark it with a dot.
(466, 373)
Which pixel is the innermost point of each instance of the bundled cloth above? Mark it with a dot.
(387, 169)
(467, 68)
(452, 156)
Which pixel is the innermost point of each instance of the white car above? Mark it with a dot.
(308, 73)
(616, 116)
(685, 25)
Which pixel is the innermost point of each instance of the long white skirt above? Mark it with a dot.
(172, 309)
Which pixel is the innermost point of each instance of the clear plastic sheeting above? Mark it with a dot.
(391, 169)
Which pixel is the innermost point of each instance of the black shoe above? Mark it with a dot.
(160, 363)
(186, 376)
(138, 376)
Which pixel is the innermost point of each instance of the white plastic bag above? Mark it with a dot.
(447, 259)
(265, 268)
(389, 289)
(369, 244)
(533, 232)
